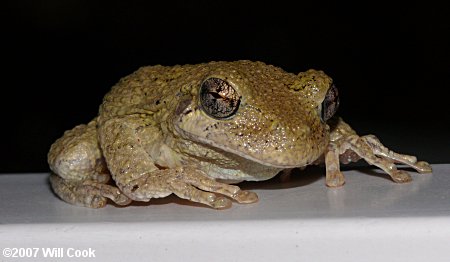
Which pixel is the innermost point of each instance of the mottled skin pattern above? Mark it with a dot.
(153, 137)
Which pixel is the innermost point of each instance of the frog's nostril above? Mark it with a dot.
(182, 106)
(274, 124)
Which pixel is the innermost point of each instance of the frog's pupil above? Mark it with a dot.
(218, 98)
(215, 95)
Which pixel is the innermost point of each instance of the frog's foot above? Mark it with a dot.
(187, 183)
(346, 146)
(373, 152)
(382, 151)
(88, 193)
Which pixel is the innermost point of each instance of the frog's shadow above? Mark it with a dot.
(310, 175)
(297, 178)
(171, 199)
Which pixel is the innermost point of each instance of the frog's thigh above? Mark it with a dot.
(77, 156)
(80, 172)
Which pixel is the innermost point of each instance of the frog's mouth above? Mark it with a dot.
(281, 150)
(274, 161)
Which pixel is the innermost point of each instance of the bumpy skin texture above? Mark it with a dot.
(154, 138)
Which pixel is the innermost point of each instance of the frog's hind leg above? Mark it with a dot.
(79, 170)
(88, 193)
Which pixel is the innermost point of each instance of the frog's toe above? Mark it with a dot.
(334, 179)
(423, 167)
(221, 203)
(400, 176)
(201, 181)
(122, 200)
(95, 202)
(187, 191)
(245, 197)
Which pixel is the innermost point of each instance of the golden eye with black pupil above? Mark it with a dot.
(330, 104)
(218, 99)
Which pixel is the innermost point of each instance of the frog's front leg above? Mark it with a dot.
(136, 174)
(346, 146)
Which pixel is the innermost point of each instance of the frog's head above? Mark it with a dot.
(258, 112)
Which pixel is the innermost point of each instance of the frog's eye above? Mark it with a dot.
(330, 104)
(218, 98)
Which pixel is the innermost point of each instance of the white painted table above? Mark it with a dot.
(369, 219)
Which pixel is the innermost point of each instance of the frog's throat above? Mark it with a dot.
(205, 141)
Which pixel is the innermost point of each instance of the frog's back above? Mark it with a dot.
(147, 85)
(152, 88)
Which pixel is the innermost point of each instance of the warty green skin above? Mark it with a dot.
(154, 139)
(276, 126)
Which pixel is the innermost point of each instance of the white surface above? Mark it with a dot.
(369, 219)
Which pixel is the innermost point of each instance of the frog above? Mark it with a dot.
(198, 130)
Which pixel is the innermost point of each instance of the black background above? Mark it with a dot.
(390, 61)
